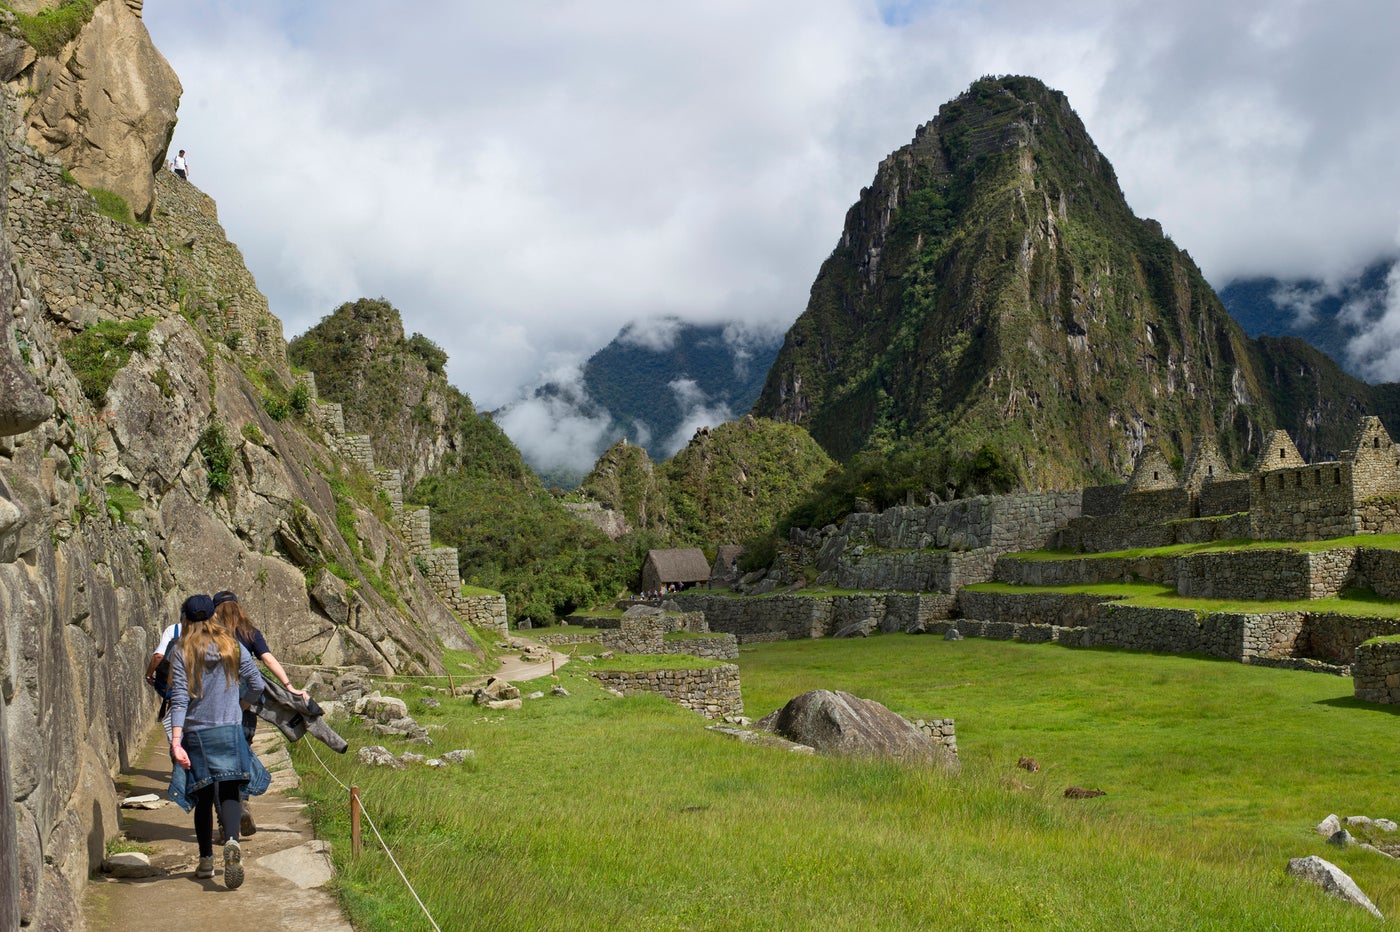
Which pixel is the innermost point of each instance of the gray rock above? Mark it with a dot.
(839, 723)
(535, 695)
(1385, 825)
(504, 704)
(1329, 826)
(144, 801)
(859, 629)
(332, 595)
(382, 708)
(129, 865)
(1333, 879)
(558, 690)
(1341, 838)
(411, 758)
(1357, 821)
(458, 756)
(952, 634)
(377, 755)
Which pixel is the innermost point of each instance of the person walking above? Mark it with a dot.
(195, 608)
(229, 613)
(208, 669)
(181, 166)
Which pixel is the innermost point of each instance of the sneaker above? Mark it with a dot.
(205, 870)
(246, 825)
(233, 864)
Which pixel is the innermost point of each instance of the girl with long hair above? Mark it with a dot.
(208, 670)
(229, 613)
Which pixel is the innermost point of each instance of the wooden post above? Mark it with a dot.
(451, 688)
(355, 821)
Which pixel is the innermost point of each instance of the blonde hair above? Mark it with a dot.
(194, 644)
(231, 615)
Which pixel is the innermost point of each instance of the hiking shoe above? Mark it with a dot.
(246, 825)
(233, 864)
(205, 870)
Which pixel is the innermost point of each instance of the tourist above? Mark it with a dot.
(195, 608)
(231, 616)
(208, 667)
(181, 166)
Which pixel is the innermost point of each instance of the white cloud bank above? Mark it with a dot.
(522, 179)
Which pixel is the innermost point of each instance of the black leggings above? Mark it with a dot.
(229, 811)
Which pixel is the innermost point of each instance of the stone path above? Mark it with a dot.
(286, 867)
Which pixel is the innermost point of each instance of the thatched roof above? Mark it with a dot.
(681, 565)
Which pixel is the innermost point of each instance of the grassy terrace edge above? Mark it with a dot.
(1357, 603)
(1369, 541)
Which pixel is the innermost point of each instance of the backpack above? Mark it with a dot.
(160, 681)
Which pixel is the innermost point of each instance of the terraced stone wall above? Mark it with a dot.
(1084, 572)
(1156, 505)
(1266, 574)
(1335, 638)
(1227, 497)
(1376, 672)
(783, 617)
(710, 647)
(1047, 608)
(1100, 501)
(713, 691)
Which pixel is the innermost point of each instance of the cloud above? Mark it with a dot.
(697, 411)
(657, 334)
(523, 181)
(557, 426)
(1375, 348)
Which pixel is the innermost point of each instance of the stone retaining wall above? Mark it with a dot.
(1335, 638)
(780, 617)
(943, 731)
(710, 647)
(1266, 574)
(487, 612)
(1085, 571)
(1051, 608)
(636, 635)
(713, 691)
(1376, 672)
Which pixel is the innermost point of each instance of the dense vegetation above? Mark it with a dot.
(693, 830)
(49, 30)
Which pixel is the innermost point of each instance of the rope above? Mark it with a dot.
(382, 843)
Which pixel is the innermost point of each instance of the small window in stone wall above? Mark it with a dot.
(1281, 453)
(1155, 475)
(1298, 480)
(1375, 443)
(1337, 477)
(1281, 480)
(1210, 470)
(1318, 476)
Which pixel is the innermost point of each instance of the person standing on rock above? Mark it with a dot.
(230, 615)
(181, 166)
(208, 671)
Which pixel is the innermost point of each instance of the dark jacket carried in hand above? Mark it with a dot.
(295, 716)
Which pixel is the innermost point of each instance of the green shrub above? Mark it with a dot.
(122, 501)
(50, 30)
(113, 205)
(101, 351)
(218, 457)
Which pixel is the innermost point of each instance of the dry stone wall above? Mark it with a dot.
(780, 617)
(711, 691)
(1086, 571)
(1376, 672)
(1335, 638)
(1303, 503)
(1266, 574)
(708, 647)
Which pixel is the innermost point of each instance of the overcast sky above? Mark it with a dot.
(522, 179)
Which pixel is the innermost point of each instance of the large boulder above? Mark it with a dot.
(106, 106)
(1333, 879)
(839, 723)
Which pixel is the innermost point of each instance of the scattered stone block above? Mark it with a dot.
(145, 801)
(377, 755)
(129, 865)
(1333, 879)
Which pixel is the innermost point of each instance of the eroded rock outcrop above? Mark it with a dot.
(104, 105)
(836, 722)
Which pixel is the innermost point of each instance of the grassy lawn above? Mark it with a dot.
(591, 812)
(1359, 603)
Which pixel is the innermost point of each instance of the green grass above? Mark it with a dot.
(473, 591)
(655, 662)
(48, 31)
(1215, 773)
(113, 205)
(1359, 603)
(101, 351)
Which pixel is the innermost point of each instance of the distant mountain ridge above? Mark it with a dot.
(649, 387)
(992, 294)
(1329, 317)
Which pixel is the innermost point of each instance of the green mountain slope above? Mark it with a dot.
(992, 289)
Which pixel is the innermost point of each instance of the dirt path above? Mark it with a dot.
(286, 868)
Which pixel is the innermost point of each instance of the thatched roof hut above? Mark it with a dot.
(681, 565)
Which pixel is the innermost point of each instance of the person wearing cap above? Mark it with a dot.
(211, 674)
(195, 608)
(230, 614)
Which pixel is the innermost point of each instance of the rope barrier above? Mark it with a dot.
(382, 843)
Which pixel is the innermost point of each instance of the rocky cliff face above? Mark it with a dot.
(152, 444)
(104, 103)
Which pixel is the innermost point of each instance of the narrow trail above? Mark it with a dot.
(287, 868)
